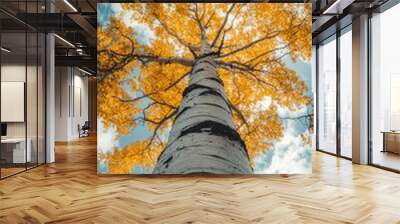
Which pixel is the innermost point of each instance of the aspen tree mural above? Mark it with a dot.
(186, 88)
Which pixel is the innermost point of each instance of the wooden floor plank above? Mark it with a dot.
(70, 191)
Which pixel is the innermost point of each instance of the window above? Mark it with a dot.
(385, 89)
(346, 92)
(327, 95)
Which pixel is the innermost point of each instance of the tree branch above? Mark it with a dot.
(233, 68)
(198, 19)
(223, 25)
(163, 60)
(270, 36)
(207, 24)
(144, 59)
(154, 92)
(240, 114)
(308, 116)
(191, 47)
(266, 53)
(159, 125)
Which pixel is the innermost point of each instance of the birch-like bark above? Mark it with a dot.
(203, 138)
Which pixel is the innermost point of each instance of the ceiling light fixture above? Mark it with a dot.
(65, 41)
(337, 7)
(84, 71)
(5, 50)
(70, 5)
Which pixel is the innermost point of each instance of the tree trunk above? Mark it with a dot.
(203, 138)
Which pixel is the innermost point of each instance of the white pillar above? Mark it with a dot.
(360, 90)
(50, 99)
(50, 92)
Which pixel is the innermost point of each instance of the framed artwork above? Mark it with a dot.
(194, 88)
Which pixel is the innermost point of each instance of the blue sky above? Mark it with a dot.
(104, 11)
(288, 155)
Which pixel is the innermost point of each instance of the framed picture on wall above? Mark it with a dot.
(216, 88)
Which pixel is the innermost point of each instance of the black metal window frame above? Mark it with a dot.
(336, 38)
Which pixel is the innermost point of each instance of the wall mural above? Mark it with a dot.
(204, 88)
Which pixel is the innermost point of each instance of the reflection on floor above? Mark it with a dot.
(387, 159)
(10, 169)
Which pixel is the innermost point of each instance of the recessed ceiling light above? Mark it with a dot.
(5, 50)
(337, 7)
(64, 40)
(70, 5)
(84, 71)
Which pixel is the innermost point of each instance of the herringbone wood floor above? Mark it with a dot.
(69, 191)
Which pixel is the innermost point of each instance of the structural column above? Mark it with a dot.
(50, 92)
(360, 90)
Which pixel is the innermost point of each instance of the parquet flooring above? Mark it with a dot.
(70, 191)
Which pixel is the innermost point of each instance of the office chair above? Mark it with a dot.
(84, 130)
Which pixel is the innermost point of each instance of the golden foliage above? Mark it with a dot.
(258, 36)
(121, 161)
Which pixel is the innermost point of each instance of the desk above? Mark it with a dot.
(391, 141)
(17, 150)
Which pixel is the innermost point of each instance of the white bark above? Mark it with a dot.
(203, 138)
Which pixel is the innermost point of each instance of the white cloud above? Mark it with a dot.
(284, 112)
(116, 8)
(106, 140)
(143, 33)
(263, 104)
(260, 106)
(287, 156)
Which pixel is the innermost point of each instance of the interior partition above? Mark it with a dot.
(22, 77)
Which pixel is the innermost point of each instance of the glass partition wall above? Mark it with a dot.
(334, 104)
(22, 77)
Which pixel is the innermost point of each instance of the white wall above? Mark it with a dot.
(61, 103)
(71, 94)
(80, 100)
(33, 126)
(16, 73)
(12, 73)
